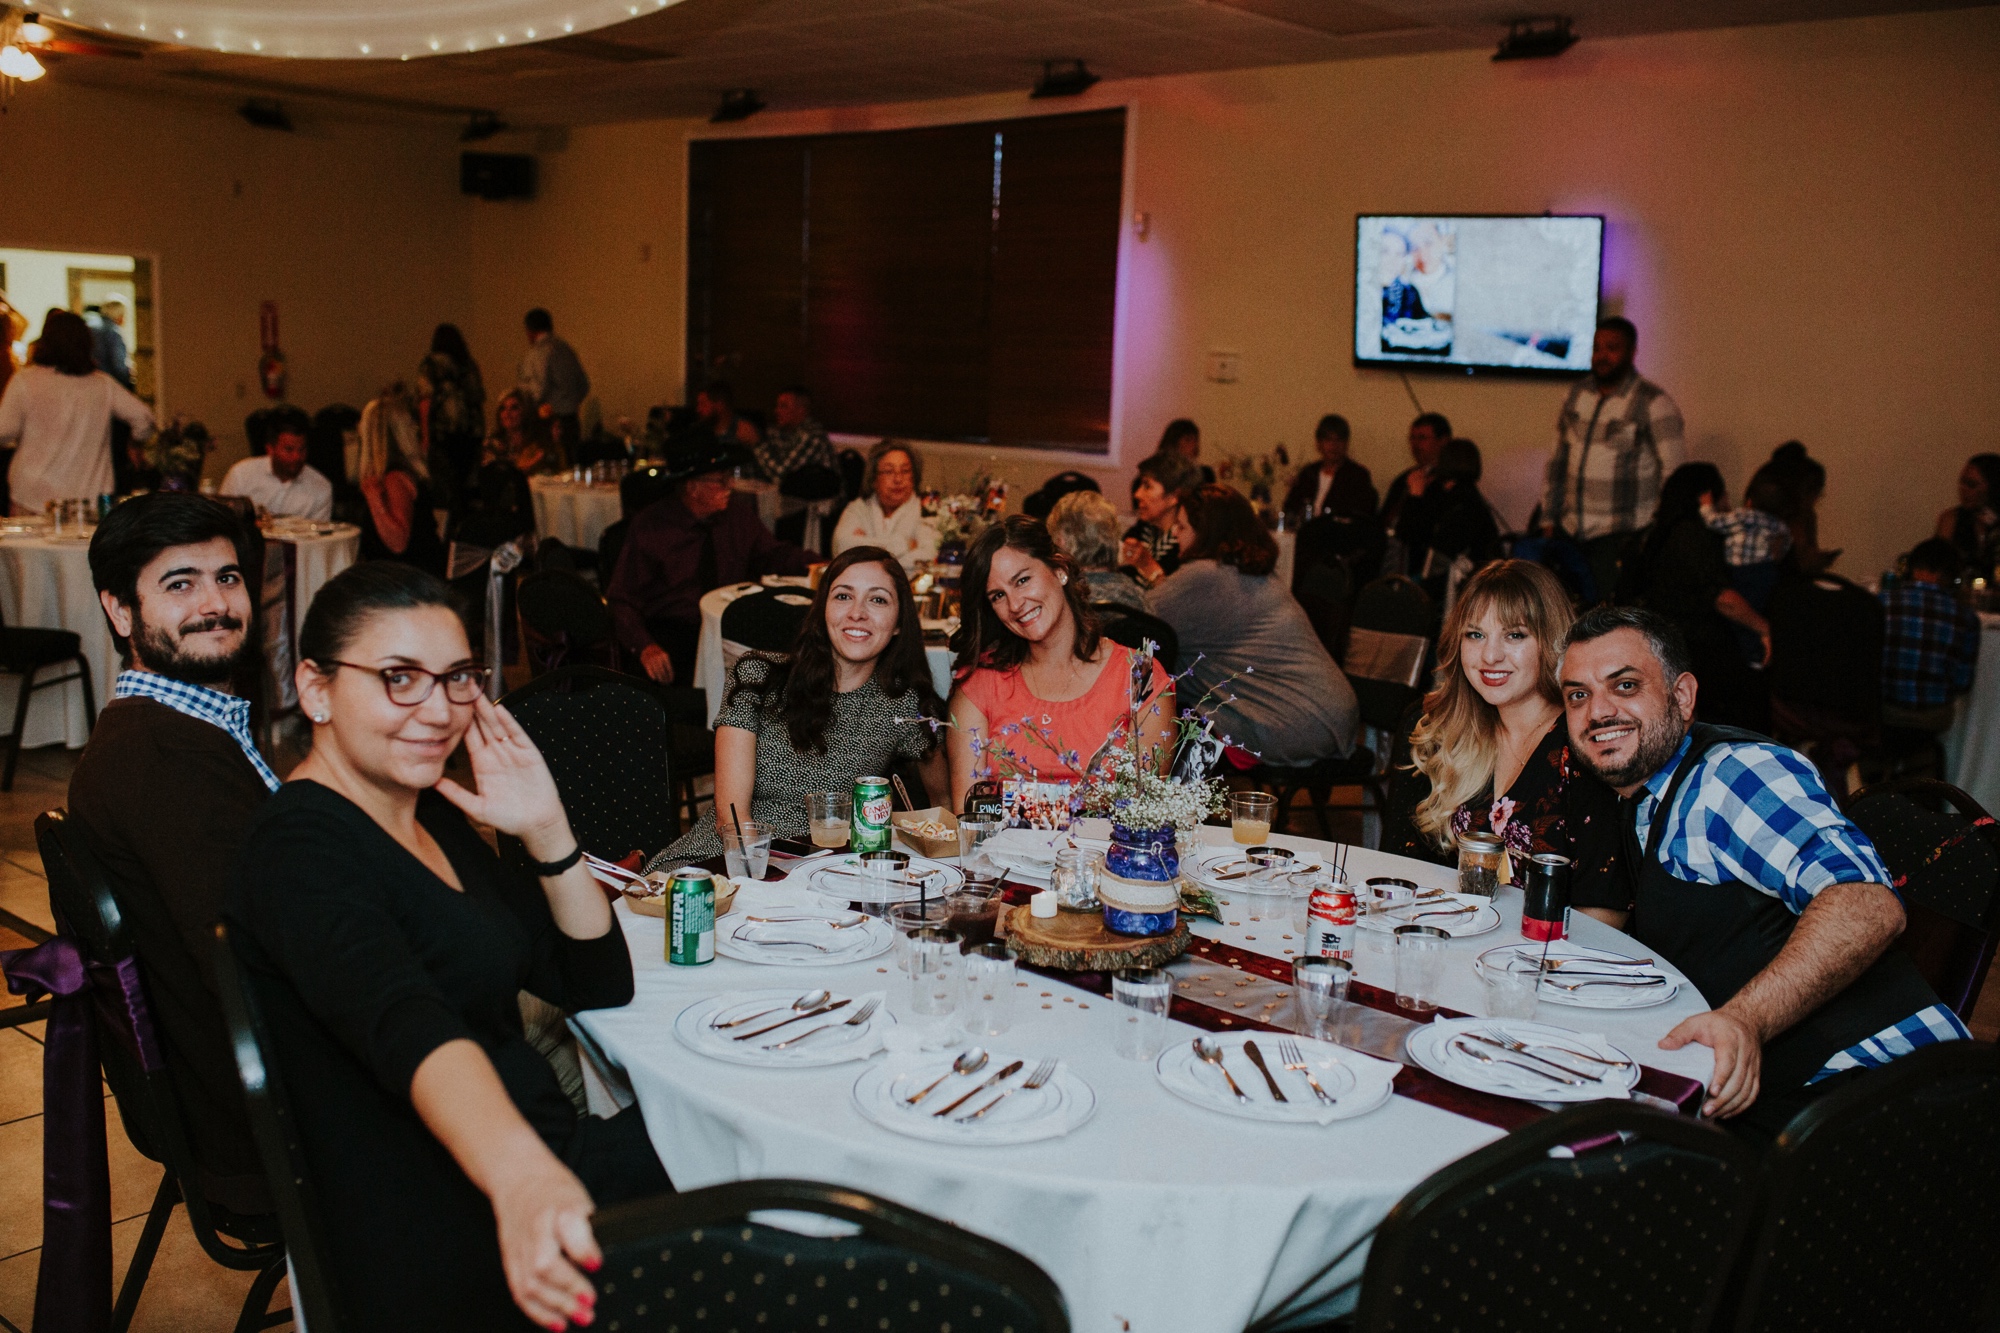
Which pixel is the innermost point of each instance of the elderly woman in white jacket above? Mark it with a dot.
(889, 515)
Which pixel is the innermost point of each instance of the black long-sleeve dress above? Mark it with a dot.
(366, 963)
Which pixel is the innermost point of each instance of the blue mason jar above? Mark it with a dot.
(1147, 856)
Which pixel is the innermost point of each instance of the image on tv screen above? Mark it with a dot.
(1513, 293)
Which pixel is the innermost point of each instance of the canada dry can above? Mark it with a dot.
(871, 816)
(691, 917)
(1330, 922)
(1545, 909)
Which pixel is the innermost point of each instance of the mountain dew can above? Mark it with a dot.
(871, 816)
(691, 917)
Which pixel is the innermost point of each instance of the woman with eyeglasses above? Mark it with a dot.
(388, 945)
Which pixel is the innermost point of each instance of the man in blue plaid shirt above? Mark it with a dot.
(1930, 643)
(1746, 877)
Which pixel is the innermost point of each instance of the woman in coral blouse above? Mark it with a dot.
(1040, 691)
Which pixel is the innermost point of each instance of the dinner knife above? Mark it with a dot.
(1002, 1076)
(810, 1013)
(1485, 1040)
(1257, 1059)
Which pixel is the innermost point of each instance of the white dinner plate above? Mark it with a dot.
(1357, 1083)
(1463, 926)
(1443, 1048)
(1604, 992)
(802, 937)
(1206, 863)
(840, 879)
(696, 1028)
(1026, 1116)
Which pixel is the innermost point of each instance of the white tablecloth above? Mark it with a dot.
(714, 655)
(45, 583)
(571, 512)
(316, 560)
(1155, 1216)
(1972, 746)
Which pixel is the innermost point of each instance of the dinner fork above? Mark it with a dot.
(1294, 1059)
(1044, 1071)
(1628, 985)
(861, 1015)
(1504, 1035)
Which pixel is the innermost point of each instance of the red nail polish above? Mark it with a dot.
(592, 1265)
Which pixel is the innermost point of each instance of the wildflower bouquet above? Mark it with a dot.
(177, 451)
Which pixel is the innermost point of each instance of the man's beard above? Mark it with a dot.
(1658, 739)
(160, 651)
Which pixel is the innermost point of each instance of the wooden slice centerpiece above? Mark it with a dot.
(1079, 942)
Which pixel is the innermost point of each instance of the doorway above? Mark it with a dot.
(114, 292)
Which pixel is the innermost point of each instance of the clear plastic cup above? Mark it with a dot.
(935, 965)
(1142, 996)
(830, 815)
(746, 856)
(1511, 987)
(1319, 987)
(986, 1007)
(910, 917)
(1387, 895)
(1419, 967)
(1250, 815)
(973, 834)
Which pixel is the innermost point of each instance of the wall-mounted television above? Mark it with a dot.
(1476, 293)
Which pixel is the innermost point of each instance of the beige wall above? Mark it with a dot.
(355, 230)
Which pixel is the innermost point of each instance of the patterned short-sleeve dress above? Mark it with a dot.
(868, 732)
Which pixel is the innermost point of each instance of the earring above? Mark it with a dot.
(320, 718)
(1063, 579)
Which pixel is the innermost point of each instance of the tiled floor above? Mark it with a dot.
(186, 1292)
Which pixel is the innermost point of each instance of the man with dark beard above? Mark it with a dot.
(1746, 877)
(167, 786)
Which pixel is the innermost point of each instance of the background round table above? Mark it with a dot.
(45, 583)
(316, 559)
(573, 512)
(715, 656)
(1972, 746)
(1154, 1216)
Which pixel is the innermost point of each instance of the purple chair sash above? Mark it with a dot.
(73, 1289)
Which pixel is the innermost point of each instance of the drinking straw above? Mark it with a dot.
(740, 843)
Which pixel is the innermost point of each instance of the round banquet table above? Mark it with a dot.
(1972, 746)
(316, 558)
(573, 512)
(45, 583)
(1154, 1216)
(714, 656)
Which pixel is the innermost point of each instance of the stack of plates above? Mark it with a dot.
(802, 936)
(1448, 913)
(1557, 1065)
(1027, 1115)
(1585, 978)
(840, 878)
(825, 1039)
(1357, 1083)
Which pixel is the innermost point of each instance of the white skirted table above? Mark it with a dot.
(575, 513)
(45, 583)
(1972, 746)
(1153, 1215)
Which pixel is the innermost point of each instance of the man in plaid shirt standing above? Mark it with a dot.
(1618, 437)
(1930, 642)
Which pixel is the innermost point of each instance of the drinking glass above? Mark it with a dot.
(934, 971)
(1074, 879)
(908, 918)
(1386, 895)
(973, 910)
(1319, 986)
(973, 834)
(1142, 995)
(1250, 814)
(1419, 967)
(987, 1009)
(747, 855)
(1298, 897)
(1267, 865)
(830, 815)
(1510, 987)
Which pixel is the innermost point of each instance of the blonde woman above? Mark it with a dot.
(1491, 752)
(402, 511)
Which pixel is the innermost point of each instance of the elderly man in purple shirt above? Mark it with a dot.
(699, 538)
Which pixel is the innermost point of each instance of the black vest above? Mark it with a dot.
(1721, 935)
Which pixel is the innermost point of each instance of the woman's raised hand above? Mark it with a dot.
(516, 793)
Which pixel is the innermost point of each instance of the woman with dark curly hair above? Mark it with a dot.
(852, 697)
(1285, 698)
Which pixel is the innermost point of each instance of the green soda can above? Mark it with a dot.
(691, 917)
(871, 816)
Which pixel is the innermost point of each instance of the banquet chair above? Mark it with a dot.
(841, 1259)
(608, 740)
(86, 905)
(1123, 625)
(1945, 850)
(563, 621)
(1634, 1235)
(25, 653)
(275, 1126)
(764, 621)
(1879, 1203)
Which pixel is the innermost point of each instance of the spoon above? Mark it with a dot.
(810, 1000)
(1213, 1055)
(968, 1062)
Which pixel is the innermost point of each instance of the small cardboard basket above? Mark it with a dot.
(655, 904)
(905, 823)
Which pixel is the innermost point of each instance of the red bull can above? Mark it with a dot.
(1330, 922)
(691, 917)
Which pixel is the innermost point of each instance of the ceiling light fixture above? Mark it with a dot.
(1536, 39)
(483, 125)
(18, 64)
(35, 32)
(737, 104)
(266, 114)
(1062, 78)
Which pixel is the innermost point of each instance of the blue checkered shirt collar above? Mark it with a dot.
(198, 701)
